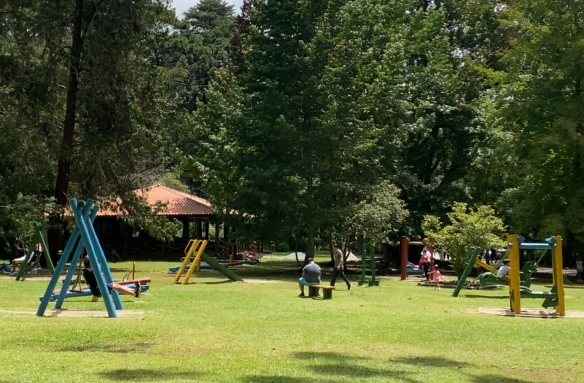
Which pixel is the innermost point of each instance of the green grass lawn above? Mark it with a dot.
(259, 332)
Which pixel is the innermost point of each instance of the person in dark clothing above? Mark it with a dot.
(338, 268)
(493, 255)
(94, 286)
(425, 259)
(310, 276)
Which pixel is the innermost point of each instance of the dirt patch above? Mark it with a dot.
(470, 285)
(43, 278)
(79, 313)
(550, 375)
(530, 313)
(191, 351)
(140, 347)
(258, 281)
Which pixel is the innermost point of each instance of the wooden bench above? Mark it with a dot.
(327, 291)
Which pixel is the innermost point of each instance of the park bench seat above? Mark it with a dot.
(327, 291)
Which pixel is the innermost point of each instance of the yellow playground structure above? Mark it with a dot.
(194, 254)
(553, 298)
(192, 246)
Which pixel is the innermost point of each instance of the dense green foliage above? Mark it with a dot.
(289, 116)
(468, 229)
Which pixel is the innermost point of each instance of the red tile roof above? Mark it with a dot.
(177, 203)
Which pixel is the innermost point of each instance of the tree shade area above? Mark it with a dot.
(302, 122)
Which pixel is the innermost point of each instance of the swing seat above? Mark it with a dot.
(85, 291)
(550, 297)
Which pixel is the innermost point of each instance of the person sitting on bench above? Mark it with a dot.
(504, 271)
(94, 287)
(310, 276)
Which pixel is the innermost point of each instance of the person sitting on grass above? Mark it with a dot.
(20, 253)
(504, 271)
(94, 286)
(310, 276)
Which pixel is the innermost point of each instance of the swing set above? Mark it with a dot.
(33, 257)
(83, 238)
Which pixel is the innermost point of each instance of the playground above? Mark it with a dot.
(214, 330)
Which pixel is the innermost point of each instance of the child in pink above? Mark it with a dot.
(436, 276)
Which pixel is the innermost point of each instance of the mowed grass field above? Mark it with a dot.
(259, 331)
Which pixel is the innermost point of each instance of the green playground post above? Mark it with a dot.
(373, 282)
(217, 266)
(38, 237)
(363, 279)
(45, 248)
(541, 257)
(475, 252)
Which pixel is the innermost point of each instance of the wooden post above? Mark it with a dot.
(198, 229)
(217, 247)
(557, 272)
(514, 283)
(127, 234)
(373, 282)
(185, 231)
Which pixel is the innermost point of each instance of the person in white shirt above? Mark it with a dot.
(503, 272)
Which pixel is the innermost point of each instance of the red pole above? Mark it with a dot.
(404, 257)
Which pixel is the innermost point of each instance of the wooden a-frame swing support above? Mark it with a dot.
(38, 238)
(84, 237)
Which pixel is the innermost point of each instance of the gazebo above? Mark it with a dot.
(119, 239)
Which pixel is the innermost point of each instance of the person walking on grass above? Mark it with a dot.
(310, 276)
(338, 268)
(425, 261)
(436, 276)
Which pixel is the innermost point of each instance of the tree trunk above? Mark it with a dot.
(64, 163)
(309, 245)
(296, 250)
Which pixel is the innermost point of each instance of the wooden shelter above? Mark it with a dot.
(119, 239)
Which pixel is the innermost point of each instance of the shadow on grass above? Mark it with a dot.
(356, 371)
(209, 282)
(337, 364)
(330, 356)
(147, 375)
(331, 376)
(486, 296)
(111, 348)
(430, 361)
(278, 379)
(491, 378)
